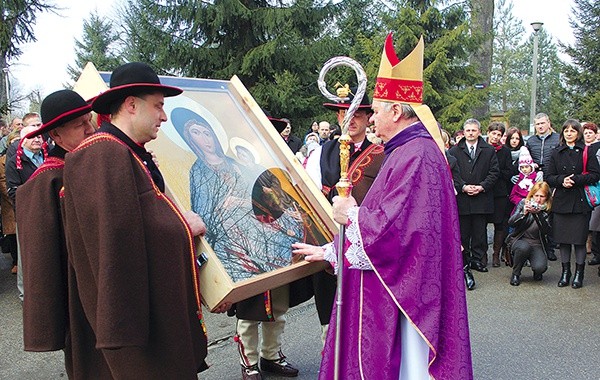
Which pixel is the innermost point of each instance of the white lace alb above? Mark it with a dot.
(356, 255)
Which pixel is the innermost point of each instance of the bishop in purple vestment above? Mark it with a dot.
(404, 313)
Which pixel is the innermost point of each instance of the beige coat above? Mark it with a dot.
(6, 206)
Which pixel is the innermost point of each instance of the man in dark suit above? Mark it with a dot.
(479, 172)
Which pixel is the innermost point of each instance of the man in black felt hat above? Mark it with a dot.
(67, 119)
(365, 161)
(132, 250)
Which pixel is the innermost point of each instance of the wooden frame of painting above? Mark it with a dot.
(222, 158)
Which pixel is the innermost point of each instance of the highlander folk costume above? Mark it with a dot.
(42, 241)
(131, 249)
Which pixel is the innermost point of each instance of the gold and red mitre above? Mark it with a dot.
(400, 80)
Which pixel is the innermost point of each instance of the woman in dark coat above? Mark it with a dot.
(514, 142)
(571, 210)
(501, 190)
(529, 240)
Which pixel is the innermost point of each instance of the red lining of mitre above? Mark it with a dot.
(390, 52)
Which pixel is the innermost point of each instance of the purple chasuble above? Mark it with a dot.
(408, 228)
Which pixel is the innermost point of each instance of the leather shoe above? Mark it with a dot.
(537, 277)
(552, 255)
(469, 279)
(515, 280)
(478, 266)
(251, 373)
(594, 260)
(279, 367)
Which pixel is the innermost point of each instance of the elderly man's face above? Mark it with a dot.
(33, 144)
(72, 133)
(383, 120)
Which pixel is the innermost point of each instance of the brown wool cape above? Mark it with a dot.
(132, 256)
(52, 318)
(44, 259)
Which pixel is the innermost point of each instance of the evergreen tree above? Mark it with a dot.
(512, 71)
(583, 74)
(97, 46)
(552, 87)
(448, 78)
(509, 89)
(276, 48)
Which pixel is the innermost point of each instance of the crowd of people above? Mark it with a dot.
(18, 161)
(513, 183)
(531, 190)
(109, 266)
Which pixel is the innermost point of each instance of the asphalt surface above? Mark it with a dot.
(534, 331)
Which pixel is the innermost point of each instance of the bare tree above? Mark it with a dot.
(17, 19)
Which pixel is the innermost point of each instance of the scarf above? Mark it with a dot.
(497, 146)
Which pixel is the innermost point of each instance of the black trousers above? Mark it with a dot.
(524, 251)
(473, 236)
(11, 246)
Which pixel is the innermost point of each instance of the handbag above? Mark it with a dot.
(592, 192)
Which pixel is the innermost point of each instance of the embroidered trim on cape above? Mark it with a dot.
(49, 164)
(355, 254)
(356, 171)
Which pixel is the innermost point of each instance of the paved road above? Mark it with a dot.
(534, 331)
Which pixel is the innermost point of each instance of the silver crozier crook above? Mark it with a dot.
(344, 186)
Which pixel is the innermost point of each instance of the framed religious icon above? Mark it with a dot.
(222, 158)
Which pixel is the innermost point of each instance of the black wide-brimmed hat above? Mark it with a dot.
(279, 124)
(130, 79)
(59, 108)
(365, 103)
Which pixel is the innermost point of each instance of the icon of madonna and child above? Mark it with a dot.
(251, 217)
